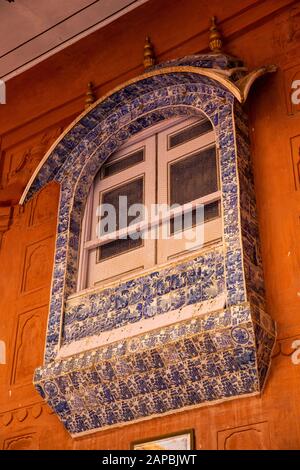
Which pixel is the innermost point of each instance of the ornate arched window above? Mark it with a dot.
(139, 329)
(156, 182)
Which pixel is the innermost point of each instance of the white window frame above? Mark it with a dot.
(87, 244)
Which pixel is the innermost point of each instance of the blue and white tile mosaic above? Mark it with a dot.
(157, 293)
(249, 224)
(211, 61)
(214, 356)
(195, 362)
(183, 98)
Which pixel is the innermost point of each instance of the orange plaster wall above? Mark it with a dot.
(40, 104)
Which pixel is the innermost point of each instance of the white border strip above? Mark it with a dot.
(143, 326)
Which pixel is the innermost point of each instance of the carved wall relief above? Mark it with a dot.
(37, 265)
(287, 29)
(5, 220)
(20, 161)
(23, 442)
(29, 337)
(295, 151)
(253, 436)
(42, 207)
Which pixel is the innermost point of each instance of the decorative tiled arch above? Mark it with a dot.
(154, 99)
(74, 161)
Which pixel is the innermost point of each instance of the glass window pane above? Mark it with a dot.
(193, 177)
(189, 133)
(134, 191)
(211, 211)
(117, 247)
(111, 166)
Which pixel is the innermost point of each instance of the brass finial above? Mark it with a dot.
(90, 95)
(149, 57)
(215, 38)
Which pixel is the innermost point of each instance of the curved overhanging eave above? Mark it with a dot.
(239, 90)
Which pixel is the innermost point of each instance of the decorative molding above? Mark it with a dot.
(37, 265)
(90, 95)
(6, 418)
(252, 436)
(21, 442)
(286, 29)
(19, 162)
(149, 56)
(5, 220)
(42, 209)
(36, 410)
(244, 84)
(295, 156)
(29, 335)
(215, 38)
(26, 157)
(23, 414)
